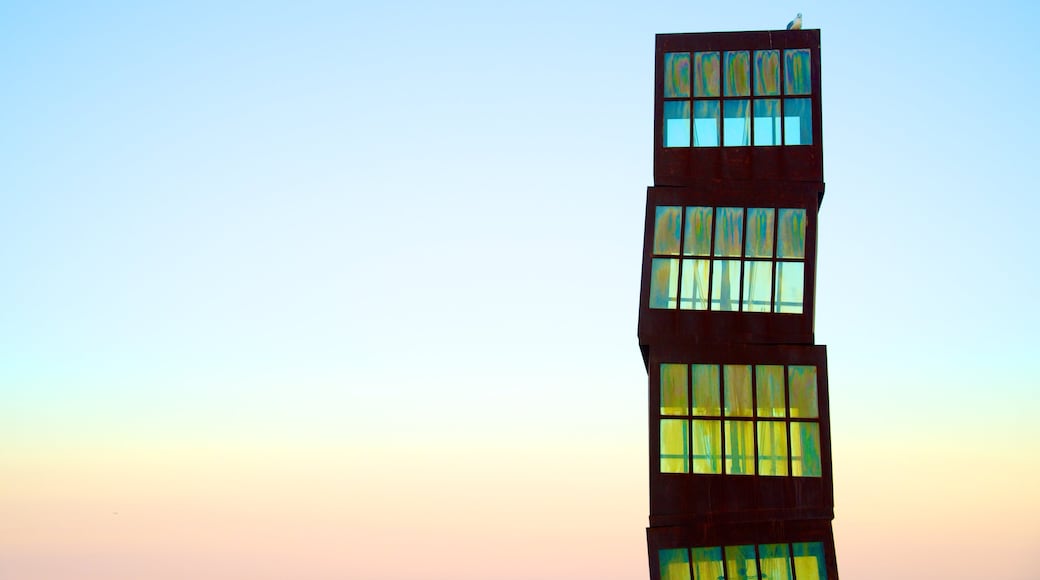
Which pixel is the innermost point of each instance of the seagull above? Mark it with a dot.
(795, 24)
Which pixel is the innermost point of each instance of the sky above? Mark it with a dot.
(340, 290)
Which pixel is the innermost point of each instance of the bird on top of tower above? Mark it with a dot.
(795, 24)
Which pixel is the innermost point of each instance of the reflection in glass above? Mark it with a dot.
(707, 563)
(758, 283)
(676, 123)
(737, 382)
(706, 437)
(740, 562)
(775, 561)
(737, 70)
(675, 564)
(676, 74)
(805, 450)
(697, 240)
(769, 388)
(736, 128)
(804, 397)
(664, 282)
(791, 243)
(674, 446)
(706, 390)
(693, 291)
(666, 229)
(767, 72)
(759, 232)
(673, 390)
(767, 122)
(740, 448)
(797, 122)
(729, 225)
(725, 285)
(790, 277)
(772, 448)
(705, 123)
(706, 74)
(809, 562)
(797, 72)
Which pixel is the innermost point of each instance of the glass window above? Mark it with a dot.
(758, 283)
(741, 563)
(789, 279)
(736, 128)
(767, 72)
(729, 225)
(759, 232)
(809, 561)
(706, 447)
(675, 446)
(805, 450)
(677, 74)
(797, 122)
(707, 563)
(706, 390)
(767, 122)
(738, 73)
(791, 242)
(740, 448)
(769, 386)
(705, 123)
(677, 124)
(664, 283)
(674, 390)
(797, 71)
(774, 561)
(737, 381)
(697, 241)
(706, 74)
(725, 285)
(802, 381)
(772, 448)
(675, 564)
(694, 291)
(666, 230)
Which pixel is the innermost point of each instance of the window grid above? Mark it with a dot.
(681, 424)
(779, 561)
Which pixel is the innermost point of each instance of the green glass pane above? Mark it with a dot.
(675, 446)
(677, 74)
(802, 384)
(706, 446)
(697, 240)
(767, 72)
(693, 288)
(797, 122)
(758, 283)
(772, 448)
(729, 225)
(741, 563)
(736, 380)
(725, 285)
(707, 563)
(674, 392)
(774, 560)
(706, 74)
(664, 283)
(737, 70)
(790, 277)
(797, 71)
(706, 390)
(769, 387)
(740, 447)
(805, 450)
(791, 237)
(736, 123)
(677, 124)
(675, 564)
(760, 232)
(667, 223)
(767, 122)
(809, 561)
(705, 123)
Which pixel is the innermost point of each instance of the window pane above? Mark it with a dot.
(737, 382)
(758, 283)
(809, 561)
(666, 230)
(705, 123)
(664, 283)
(772, 448)
(767, 72)
(769, 381)
(775, 561)
(675, 446)
(797, 122)
(736, 130)
(675, 564)
(706, 390)
(791, 242)
(740, 448)
(805, 450)
(673, 390)
(707, 563)
(738, 73)
(797, 72)
(694, 285)
(706, 74)
(729, 225)
(725, 285)
(760, 232)
(677, 74)
(706, 437)
(740, 563)
(789, 279)
(802, 380)
(767, 122)
(677, 124)
(698, 231)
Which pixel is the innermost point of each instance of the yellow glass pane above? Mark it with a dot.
(707, 563)
(772, 448)
(706, 390)
(667, 221)
(741, 563)
(809, 561)
(674, 446)
(674, 397)
(740, 448)
(737, 380)
(802, 381)
(693, 285)
(805, 450)
(664, 283)
(675, 564)
(769, 385)
(706, 438)
(775, 561)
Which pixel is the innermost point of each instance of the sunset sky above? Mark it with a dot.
(348, 290)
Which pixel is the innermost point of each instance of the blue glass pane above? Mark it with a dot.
(797, 72)
(797, 121)
(736, 128)
(677, 74)
(676, 124)
(767, 72)
(767, 122)
(705, 123)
